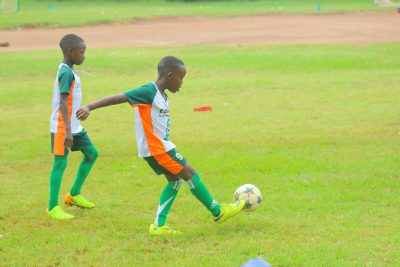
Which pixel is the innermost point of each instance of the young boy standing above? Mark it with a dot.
(152, 125)
(66, 131)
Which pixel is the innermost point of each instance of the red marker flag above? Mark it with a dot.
(204, 108)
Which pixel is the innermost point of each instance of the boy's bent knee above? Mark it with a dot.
(188, 172)
(172, 177)
(95, 154)
(91, 153)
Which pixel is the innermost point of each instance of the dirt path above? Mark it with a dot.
(359, 28)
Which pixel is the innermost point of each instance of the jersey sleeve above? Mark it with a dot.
(141, 95)
(65, 79)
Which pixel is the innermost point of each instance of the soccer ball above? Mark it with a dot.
(249, 193)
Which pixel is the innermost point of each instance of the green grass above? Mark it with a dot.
(76, 13)
(314, 127)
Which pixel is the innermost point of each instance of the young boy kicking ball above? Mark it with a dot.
(152, 125)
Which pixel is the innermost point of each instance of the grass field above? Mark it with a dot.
(75, 13)
(314, 127)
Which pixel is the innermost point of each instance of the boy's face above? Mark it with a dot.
(77, 53)
(175, 79)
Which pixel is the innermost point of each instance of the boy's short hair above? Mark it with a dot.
(69, 40)
(168, 64)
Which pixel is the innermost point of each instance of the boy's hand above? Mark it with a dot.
(83, 113)
(69, 140)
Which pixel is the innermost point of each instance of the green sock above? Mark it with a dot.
(90, 155)
(167, 198)
(59, 165)
(198, 189)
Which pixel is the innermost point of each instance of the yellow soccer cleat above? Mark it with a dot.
(163, 230)
(78, 201)
(58, 213)
(229, 210)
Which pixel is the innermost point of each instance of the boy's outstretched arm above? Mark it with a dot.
(84, 112)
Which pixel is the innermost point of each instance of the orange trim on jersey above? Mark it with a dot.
(168, 163)
(58, 148)
(154, 143)
(59, 137)
(61, 126)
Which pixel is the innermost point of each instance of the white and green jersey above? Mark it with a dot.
(67, 82)
(152, 121)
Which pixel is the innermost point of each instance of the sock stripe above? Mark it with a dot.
(199, 190)
(177, 185)
(190, 184)
(214, 204)
(160, 209)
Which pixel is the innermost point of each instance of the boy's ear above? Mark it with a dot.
(170, 75)
(69, 50)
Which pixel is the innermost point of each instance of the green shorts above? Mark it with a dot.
(168, 163)
(81, 140)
